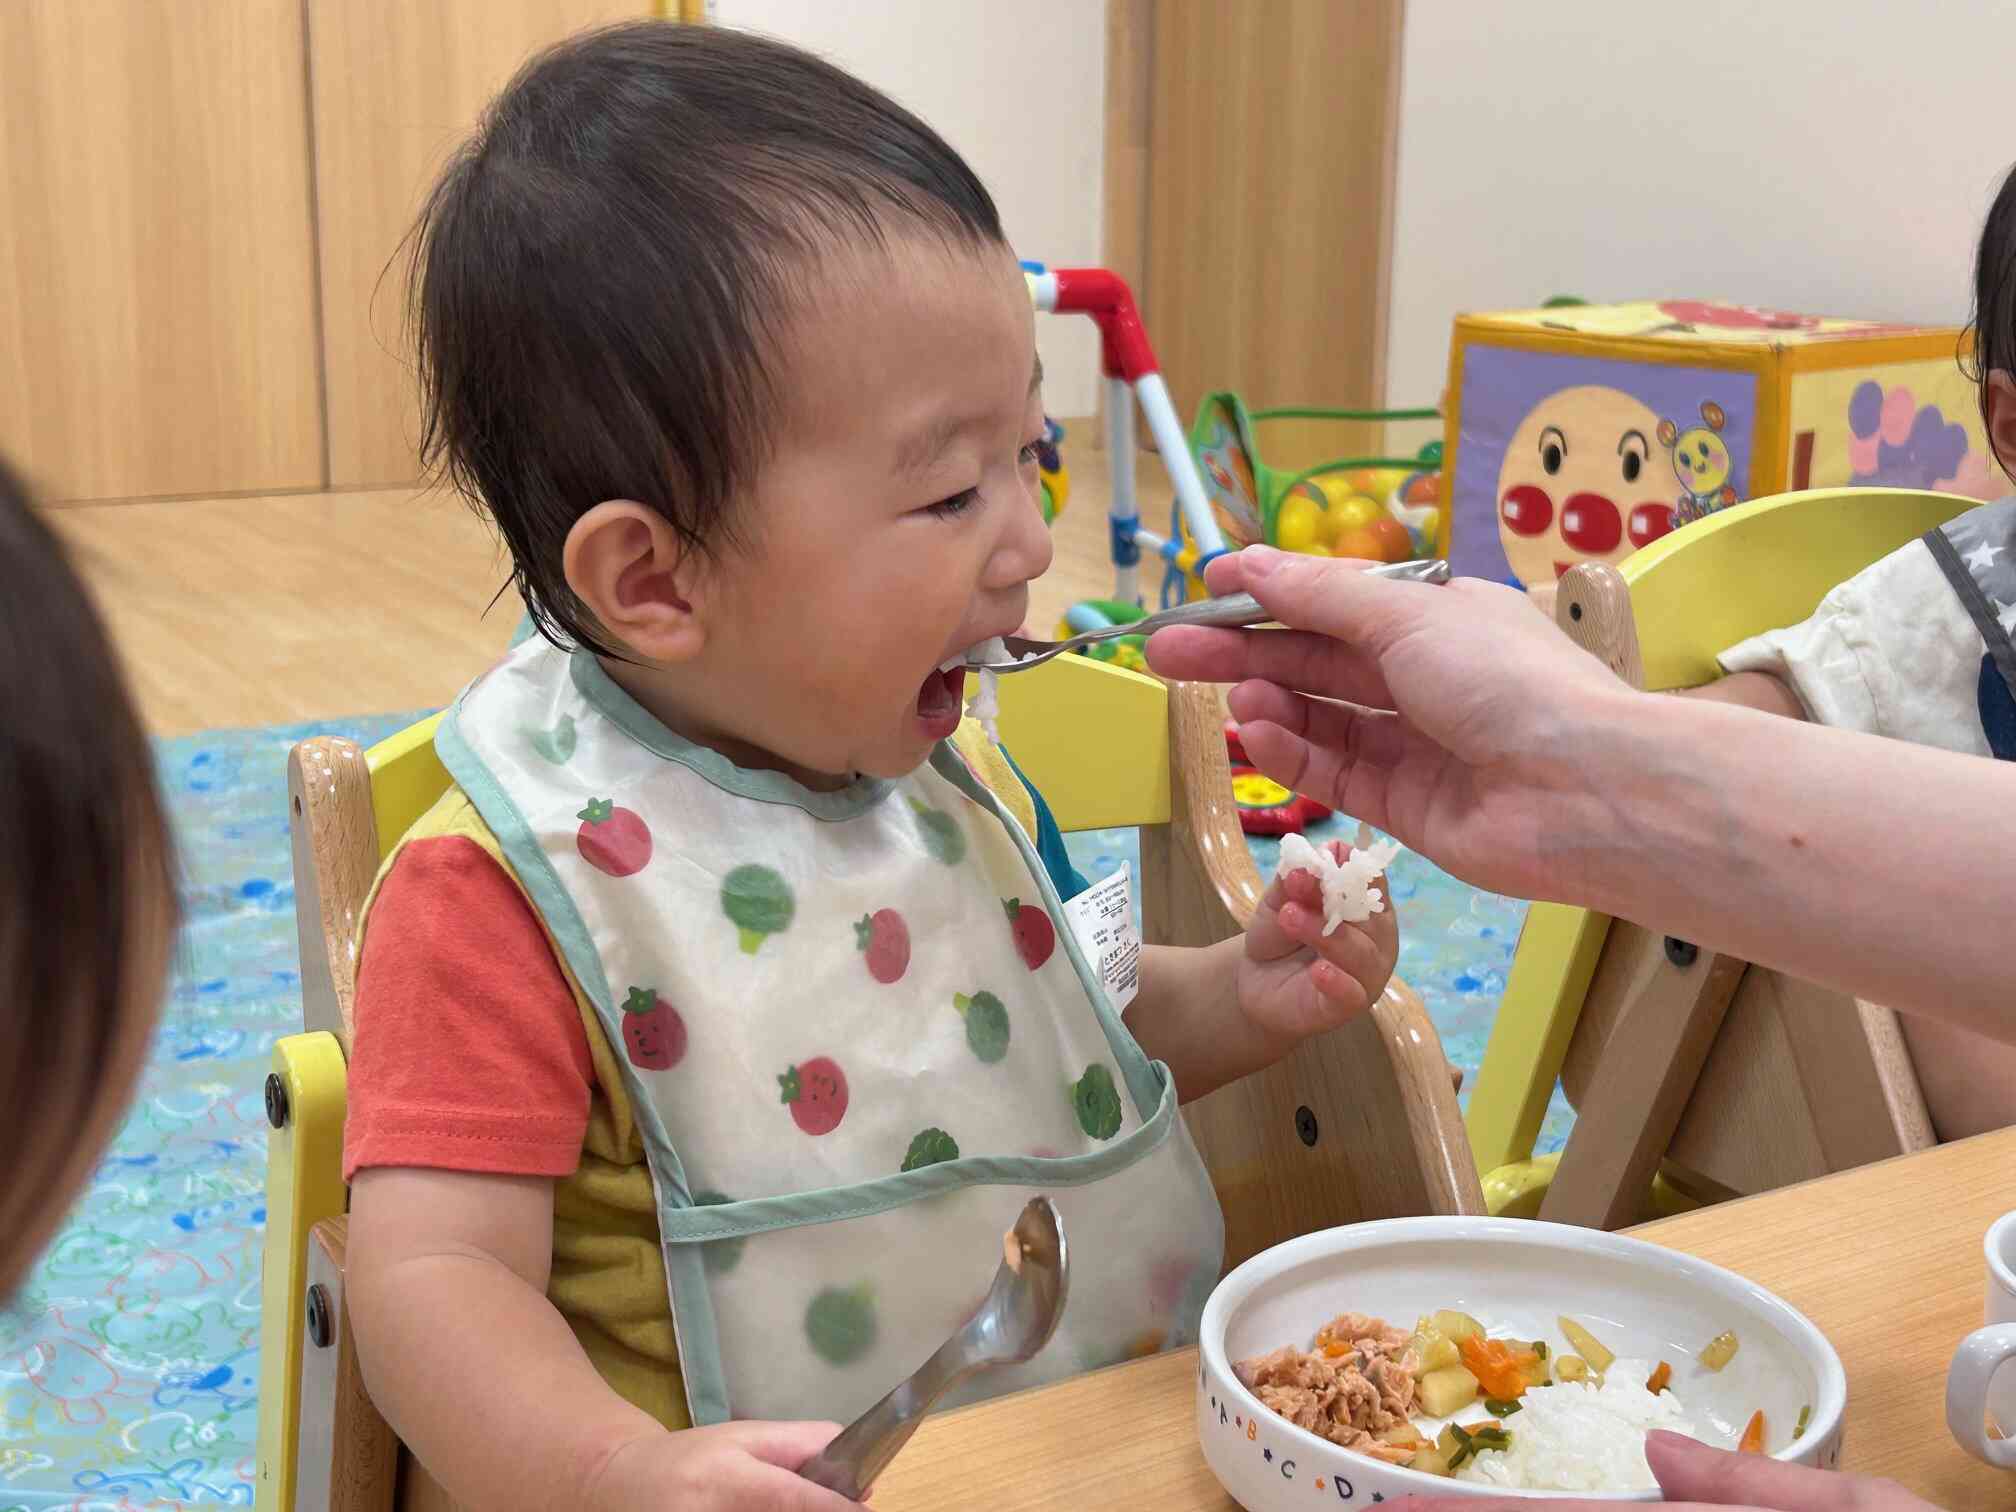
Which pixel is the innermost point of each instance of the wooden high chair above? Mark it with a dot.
(1694, 1076)
(1358, 1124)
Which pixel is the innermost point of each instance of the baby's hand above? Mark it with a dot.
(1296, 981)
(735, 1467)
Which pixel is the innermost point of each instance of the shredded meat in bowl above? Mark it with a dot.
(1357, 1383)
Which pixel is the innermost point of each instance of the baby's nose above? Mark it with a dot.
(1025, 552)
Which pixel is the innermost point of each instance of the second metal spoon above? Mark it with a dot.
(1012, 1325)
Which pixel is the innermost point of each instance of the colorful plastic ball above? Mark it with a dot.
(1353, 512)
(1396, 539)
(1359, 543)
(1298, 524)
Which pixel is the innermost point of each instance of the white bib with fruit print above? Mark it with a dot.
(858, 1042)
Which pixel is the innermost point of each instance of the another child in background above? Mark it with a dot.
(734, 960)
(87, 895)
(1918, 647)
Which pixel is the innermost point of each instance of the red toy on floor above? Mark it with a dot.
(1266, 807)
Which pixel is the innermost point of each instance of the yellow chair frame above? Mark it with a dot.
(1660, 620)
(1356, 1124)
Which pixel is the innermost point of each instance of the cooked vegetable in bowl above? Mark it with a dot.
(1374, 1389)
(1537, 1359)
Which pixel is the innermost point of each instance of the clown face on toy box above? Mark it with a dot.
(1584, 433)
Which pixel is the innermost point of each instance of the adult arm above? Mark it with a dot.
(1472, 730)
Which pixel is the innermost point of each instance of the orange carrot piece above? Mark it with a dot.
(1752, 1441)
(1497, 1366)
(1659, 1378)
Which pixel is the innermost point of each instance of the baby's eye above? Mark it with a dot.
(958, 504)
(1031, 454)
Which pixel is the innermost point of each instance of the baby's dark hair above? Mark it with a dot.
(87, 897)
(1993, 323)
(601, 276)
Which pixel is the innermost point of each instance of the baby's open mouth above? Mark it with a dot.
(941, 700)
(942, 693)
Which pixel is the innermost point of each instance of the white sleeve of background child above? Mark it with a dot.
(1892, 652)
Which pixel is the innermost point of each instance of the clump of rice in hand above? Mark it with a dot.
(1577, 1436)
(1348, 894)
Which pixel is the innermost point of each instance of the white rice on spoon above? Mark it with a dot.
(986, 705)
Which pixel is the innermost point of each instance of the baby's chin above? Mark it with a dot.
(897, 754)
(897, 761)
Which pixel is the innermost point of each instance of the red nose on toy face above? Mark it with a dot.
(1526, 510)
(1590, 523)
(1649, 522)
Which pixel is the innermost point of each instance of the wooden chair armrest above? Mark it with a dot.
(1358, 1123)
(1427, 1085)
(1198, 881)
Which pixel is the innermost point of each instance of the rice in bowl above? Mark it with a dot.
(1578, 1436)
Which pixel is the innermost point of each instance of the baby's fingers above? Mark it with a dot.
(1269, 936)
(1350, 961)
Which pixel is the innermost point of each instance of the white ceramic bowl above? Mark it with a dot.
(1516, 1277)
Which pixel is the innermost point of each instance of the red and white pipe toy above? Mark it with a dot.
(1132, 376)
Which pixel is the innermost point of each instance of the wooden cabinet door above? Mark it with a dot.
(1270, 170)
(157, 290)
(398, 84)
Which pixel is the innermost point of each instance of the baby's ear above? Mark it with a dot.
(1998, 410)
(627, 564)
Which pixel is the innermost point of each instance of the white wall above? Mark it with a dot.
(1829, 156)
(1019, 90)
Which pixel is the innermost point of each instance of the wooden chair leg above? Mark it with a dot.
(1673, 998)
(1802, 1081)
(349, 1455)
(350, 1460)
(420, 1492)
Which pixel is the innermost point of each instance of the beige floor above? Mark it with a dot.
(255, 611)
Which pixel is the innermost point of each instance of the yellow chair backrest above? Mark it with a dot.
(1761, 566)
(1695, 593)
(1093, 738)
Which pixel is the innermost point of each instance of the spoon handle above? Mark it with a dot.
(1233, 611)
(1237, 610)
(863, 1449)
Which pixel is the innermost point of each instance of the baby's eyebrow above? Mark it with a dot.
(928, 445)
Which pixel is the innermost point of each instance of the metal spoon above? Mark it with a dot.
(1013, 1324)
(1233, 611)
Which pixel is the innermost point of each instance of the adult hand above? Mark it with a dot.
(1693, 1475)
(1455, 718)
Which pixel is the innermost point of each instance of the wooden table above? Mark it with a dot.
(1886, 1260)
